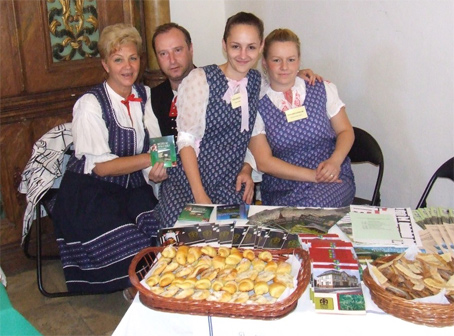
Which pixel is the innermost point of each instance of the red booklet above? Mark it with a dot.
(322, 243)
(332, 256)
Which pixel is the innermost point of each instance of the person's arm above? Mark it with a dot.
(122, 165)
(245, 177)
(191, 121)
(329, 170)
(309, 76)
(271, 165)
(191, 169)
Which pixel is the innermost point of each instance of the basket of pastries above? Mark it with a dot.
(221, 281)
(396, 283)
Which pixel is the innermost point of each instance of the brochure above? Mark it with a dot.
(162, 149)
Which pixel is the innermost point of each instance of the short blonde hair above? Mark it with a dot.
(281, 35)
(113, 36)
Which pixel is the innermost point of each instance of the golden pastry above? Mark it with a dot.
(157, 290)
(204, 260)
(223, 251)
(188, 283)
(203, 284)
(271, 266)
(198, 269)
(246, 285)
(183, 294)
(218, 262)
(266, 256)
(209, 274)
(225, 297)
(153, 280)
(284, 267)
(230, 287)
(184, 271)
(261, 287)
(209, 251)
(166, 279)
(194, 253)
(258, 299)
(170, 291)
(217, 285)
(285, 279)
(276, 289)
(177, 280)
(265, 276)
(258, 264)
(182, 254)
(160, 267)
(234, 250)
(228, 276)
(233, 258)
(243, 265)
(201, 294)
(249, 274)
(240, 297)
(171, 267)
(169, 252)
(249, 254)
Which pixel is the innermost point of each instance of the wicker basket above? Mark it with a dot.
(430, 314)
(143, 261)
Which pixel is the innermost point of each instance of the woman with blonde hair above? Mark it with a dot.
(302, 135)
(102, 213)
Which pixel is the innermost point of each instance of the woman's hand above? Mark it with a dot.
(328, 171)
(202, 199)
(158, 173)
(309, 76)
(244, 177)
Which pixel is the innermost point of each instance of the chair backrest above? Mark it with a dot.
(446, 170)
(366, 149)
(45, 166)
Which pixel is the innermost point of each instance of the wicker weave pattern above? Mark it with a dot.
(143, 262)
(430, 314)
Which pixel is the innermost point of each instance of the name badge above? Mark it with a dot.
(296, 114)
(236, 100)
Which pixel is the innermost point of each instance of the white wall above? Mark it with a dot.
(393, 64)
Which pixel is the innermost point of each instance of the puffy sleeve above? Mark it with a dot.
(333, 102)
(90, 132)
(150, 120)
(192, 103)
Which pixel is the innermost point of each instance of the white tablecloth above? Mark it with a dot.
(141, 320)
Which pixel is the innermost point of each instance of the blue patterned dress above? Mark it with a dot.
(102, 222)
(304, 143)
(222, 151)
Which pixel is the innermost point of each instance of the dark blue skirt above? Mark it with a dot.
(100, 227)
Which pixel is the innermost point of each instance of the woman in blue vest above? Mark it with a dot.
(302, 135)
(217, 107)
(103, 209)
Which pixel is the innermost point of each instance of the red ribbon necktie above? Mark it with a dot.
(173, 108)
(130, 98)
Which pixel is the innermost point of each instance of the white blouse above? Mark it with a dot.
(333, 102)
(90, 134)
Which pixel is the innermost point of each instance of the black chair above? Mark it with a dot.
(446, 170)
(366, 149)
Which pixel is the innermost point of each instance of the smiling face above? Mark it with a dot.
(174, 55)
(243, 47)
(282, 64)
(122, 66)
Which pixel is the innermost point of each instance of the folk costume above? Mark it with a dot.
(305, 143)
(102, 222)
(219, 132)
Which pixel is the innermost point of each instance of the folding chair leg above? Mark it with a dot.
(39, 268)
